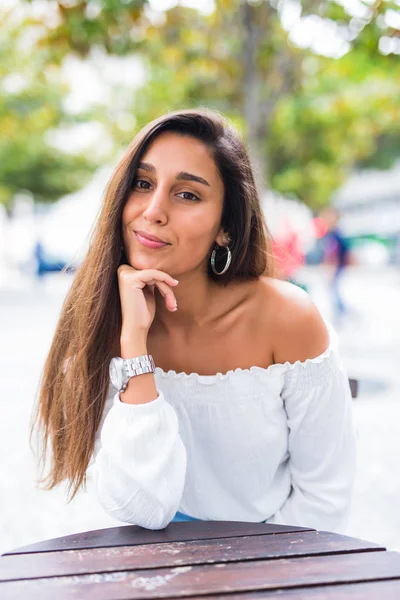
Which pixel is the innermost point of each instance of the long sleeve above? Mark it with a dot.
(322, 444)
(139, 463)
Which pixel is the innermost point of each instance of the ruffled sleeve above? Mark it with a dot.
(139, 462)
(322, 442)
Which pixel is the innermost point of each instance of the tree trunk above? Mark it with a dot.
(252, 95)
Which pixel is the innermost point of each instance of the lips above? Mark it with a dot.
(146, 241)
(148, 236)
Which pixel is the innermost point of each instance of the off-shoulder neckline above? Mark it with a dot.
(274, 369)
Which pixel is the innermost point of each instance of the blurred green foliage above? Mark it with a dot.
(83, 24)
(31, 105)
(308, 119)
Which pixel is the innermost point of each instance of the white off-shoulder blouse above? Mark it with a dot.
(274, 445)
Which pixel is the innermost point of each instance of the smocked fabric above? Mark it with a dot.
(272, 444)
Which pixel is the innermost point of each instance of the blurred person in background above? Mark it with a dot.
(247, 415)
(46, 264)
(395, 258)
(288, 253)
(337, 253)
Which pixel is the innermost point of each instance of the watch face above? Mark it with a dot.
(116, 374)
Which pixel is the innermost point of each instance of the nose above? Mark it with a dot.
(156, 210)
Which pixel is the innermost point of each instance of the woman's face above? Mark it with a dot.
(177, 196)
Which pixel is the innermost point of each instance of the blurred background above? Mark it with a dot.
(314, 87)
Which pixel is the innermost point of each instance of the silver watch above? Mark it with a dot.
(122, 369)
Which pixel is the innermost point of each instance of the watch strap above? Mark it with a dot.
(137, 366)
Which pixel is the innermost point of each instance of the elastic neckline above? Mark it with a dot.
(275, 369)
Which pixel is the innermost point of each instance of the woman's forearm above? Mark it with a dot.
(140, 463)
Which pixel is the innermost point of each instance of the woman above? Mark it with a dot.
(247, 414)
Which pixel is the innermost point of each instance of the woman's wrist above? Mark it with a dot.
(133, 345)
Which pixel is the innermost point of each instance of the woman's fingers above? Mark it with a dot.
(168, 294)
(150, 278)
(148, 289)
(165, 288)
(146, 277)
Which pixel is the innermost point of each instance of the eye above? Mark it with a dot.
(192, 198)
(140, 181)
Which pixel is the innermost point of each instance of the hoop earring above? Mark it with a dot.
(228, 260)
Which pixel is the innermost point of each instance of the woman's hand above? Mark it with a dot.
(138, 306)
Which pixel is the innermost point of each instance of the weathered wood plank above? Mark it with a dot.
(387, 590)
(130, 535)
(187, 581)
(150, 556)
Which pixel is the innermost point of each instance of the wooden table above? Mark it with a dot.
(220, 559)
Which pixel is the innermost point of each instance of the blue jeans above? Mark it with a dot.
(180, 518)
(339, 306)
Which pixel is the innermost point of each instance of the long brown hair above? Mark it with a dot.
(75, 378)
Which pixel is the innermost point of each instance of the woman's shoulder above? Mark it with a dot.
(297, 329)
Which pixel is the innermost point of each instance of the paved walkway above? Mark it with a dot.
(370, 344)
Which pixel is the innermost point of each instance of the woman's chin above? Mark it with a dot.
(145, 262)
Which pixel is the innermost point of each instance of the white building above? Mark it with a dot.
(370, 203)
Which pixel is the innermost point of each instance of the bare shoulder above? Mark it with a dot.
(294, 322)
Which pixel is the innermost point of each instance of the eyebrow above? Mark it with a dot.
(181, 176)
